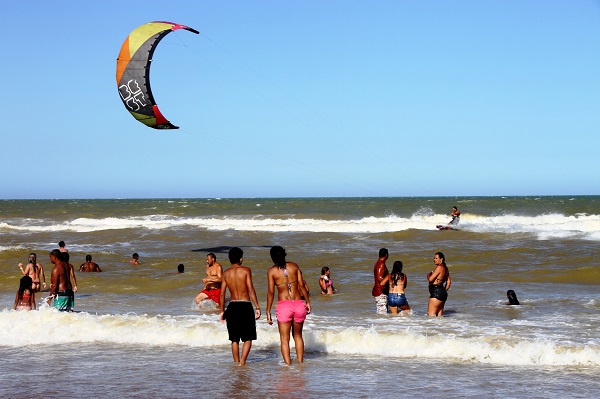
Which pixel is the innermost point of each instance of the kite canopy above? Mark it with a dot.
(133, 72)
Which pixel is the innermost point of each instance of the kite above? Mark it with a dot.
(133, 72)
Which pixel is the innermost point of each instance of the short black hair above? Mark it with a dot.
(235, 255)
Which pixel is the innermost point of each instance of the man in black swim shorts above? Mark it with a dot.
(240, 317)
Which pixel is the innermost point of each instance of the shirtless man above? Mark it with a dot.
(62, 246)
(381, 287)
(240, 316)
(439, 284)
(60, 283)
(212, 281)
(64, 256)
(89, 266)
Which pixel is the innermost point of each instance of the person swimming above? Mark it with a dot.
(512, 298)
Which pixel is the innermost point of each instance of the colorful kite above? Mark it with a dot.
(133, 72)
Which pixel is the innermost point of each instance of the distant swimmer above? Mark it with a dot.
(439, 284)
(398, 282)
(135, 259)
(512, 298)
(62, 246)
(35, 270)
(243, 309)
(89, 266)
(25, 298)
(180, 268)
(212, 281)
(326, 282)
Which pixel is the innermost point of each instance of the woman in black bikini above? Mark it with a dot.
(439, 284)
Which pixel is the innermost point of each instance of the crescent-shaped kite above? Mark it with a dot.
(133, 72)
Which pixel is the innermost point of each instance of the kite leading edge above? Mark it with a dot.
(133, 72)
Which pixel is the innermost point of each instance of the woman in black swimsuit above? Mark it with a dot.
(439, 284)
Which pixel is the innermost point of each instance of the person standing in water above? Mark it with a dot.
(240, 316)
(381, 288)
(291, 310)
(34, 270)
(439, 284)
(60, 283)
(398, 282)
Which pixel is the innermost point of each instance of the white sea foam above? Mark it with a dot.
(19, 329)
(580, 226)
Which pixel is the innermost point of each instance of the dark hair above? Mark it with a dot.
(278, 255)
(33, 258)
(88, 258)
(61, 244)
(135, 255)
(64, 256)
(441, 255)
(56, 253)
(180, 268)
(324, 270)
(25, 284)
(211, 255)
(396, 273)
(383, 252)
(512, 297)
(235, 255)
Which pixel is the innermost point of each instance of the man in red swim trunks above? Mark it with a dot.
(212, 281)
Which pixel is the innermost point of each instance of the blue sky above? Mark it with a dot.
(305, 98)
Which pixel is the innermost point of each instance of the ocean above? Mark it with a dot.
(137, 332)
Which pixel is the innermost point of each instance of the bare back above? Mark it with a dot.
(239, 281)
(400, 285)
(287, 286)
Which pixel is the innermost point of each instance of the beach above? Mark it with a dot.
(137, 332)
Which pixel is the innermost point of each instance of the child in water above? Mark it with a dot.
(25, 298)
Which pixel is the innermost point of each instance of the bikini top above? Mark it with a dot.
(288, 283)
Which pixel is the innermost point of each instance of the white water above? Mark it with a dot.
(547, 226)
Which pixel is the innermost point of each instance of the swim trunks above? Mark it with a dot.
(289, 310)
(381, 302)
(397, 300)
(214, 295)
(241, 323)
(64, 300)
(438, 292)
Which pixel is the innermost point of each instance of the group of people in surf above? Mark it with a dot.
(389, 288)
(63, 283)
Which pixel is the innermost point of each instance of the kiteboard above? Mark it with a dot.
(445, 227)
